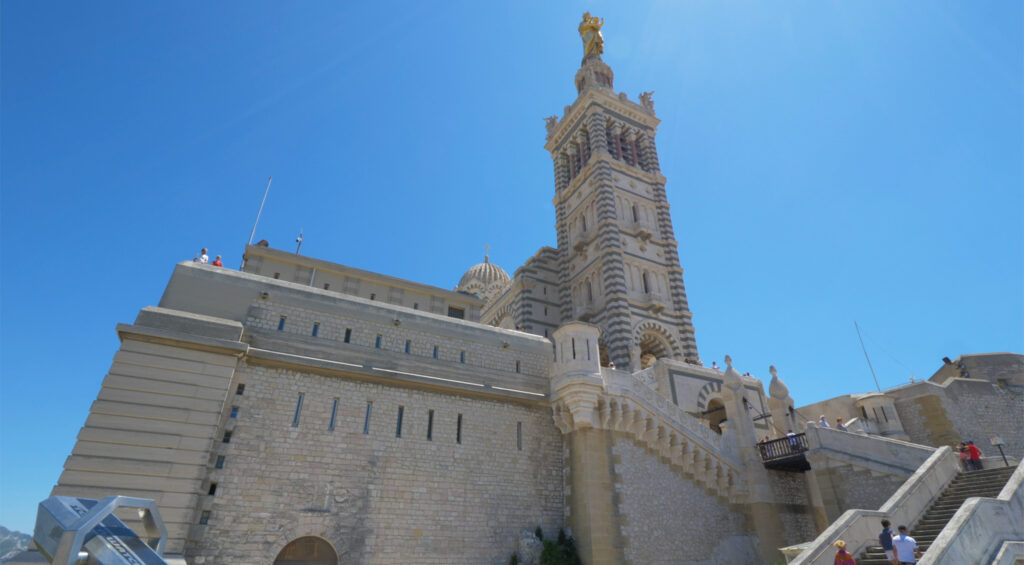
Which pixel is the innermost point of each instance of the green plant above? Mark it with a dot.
(562, 552)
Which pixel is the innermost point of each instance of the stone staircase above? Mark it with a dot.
(985, 483)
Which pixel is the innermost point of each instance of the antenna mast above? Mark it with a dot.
(866, 355)
(260, 213)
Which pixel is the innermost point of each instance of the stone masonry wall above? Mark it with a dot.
(375, 497)
(667, 518)
(845, 486)
(267, 315)
(966, 410)
(792, 507)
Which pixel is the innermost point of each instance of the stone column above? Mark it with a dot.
(670, 252)
(616, 149)
(561, 216)
(596, 127)
(576, 386)
(648, 153)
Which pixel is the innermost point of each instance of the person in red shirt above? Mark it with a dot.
(217, 262)
(975, 455)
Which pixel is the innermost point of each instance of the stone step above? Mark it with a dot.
(984, 483)
(980, 484)
(993, 485)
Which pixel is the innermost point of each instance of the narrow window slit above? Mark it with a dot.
(298, 411)
(334, 414)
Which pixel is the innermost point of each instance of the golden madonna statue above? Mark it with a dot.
(590, 33)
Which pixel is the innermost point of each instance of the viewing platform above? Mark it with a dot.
(785, 454)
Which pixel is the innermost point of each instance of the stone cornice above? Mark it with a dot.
(389, 376)
(605, 100)
(181, 339)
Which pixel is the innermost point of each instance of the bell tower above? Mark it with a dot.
(618, 262)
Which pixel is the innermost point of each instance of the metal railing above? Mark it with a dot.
(783, 448)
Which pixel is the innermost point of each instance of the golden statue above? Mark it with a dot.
(590, 33)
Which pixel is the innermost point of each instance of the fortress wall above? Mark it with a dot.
(665, 517)
(964, 409)
(792, 507)
(300, 318)
(845, 487)
(377, 497)
(157, 414)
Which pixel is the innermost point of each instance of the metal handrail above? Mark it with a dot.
(783, 448)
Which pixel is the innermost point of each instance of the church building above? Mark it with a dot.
(304, 411)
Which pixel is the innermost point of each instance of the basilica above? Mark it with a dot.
(304, 411)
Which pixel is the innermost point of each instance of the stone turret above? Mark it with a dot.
(780, 404)
(576, 381)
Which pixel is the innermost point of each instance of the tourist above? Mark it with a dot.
(823, 423)
(217, 262)
(975, 455)
(714, 365)
(905, 548)
(842, 556)
(885, 540)
(840, 426)
(202, 258)
(793, 441)
(965, 456)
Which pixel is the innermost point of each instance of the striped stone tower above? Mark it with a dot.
(618, 259)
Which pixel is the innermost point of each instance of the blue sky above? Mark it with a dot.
(826, 161)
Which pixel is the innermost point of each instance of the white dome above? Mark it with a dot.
(485, 273)
(485, 280)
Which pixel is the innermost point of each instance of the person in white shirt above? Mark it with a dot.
(823, 423)
(202, 258)
(905, 547)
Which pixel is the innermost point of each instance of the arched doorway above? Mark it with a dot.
(308, 550)
(714, 415)
(653, 346)
(506, 322)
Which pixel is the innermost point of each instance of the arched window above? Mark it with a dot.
(714, 415)
(309, 550)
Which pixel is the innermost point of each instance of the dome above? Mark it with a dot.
(485, 273)
(485, 281)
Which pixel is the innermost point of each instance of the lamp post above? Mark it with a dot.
(998, 442)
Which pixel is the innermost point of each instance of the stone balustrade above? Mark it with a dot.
(982, 527)
(632, 406)
(859, 528)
